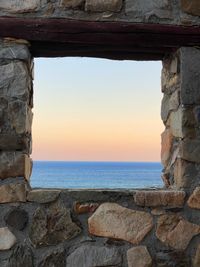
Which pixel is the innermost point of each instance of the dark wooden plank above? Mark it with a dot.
(62, 37)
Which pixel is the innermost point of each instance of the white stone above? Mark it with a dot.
(7, 239)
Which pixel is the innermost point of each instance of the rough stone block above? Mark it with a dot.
(11, 142)
(56, 258)
(196, 260)
(13, 192)
(166, 198)
(157, 8)
(176, 123)
(190, 150)
(21, 256)
(17, 218)
(185, 174)
(43, 195)
(169, 103)
(7, 239)
(71, 3)
(170, 229)
(15, 80)
(19, 6)
(166, 146)
(91, 255)
(190, 76)
(139, 256)
(114, 221)
(13, 51)
(103, 5)
(14, 164)
(20, 116)
(191, 6)
(52, 225)
(194, 199)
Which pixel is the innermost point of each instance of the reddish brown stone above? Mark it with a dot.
(85, 208)
(166, 146)
(196, 260)
(191, 6)
(194, 200)
(176, 232)
(154, 198)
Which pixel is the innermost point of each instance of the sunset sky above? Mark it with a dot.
(96, 110)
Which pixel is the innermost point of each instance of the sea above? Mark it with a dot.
(105, 175)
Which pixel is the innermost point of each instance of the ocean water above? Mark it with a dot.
(57, 174)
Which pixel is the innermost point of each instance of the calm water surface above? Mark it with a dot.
(96, 174)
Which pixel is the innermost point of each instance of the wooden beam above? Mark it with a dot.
(118, 40)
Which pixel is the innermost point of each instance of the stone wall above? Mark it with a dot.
(180, 113)
(92, 228)
(182, 12)
(95, 228)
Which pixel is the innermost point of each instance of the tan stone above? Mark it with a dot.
(190, 150)
(196, 260)
(15, 164)
(194, 200)
(71, 3)
(7, 239)
(166, 198)
(167, 141)
(139, 256)
(13, 192)
(81, 208)
(191, 6)
(43, 195)
(103, 5)
(176, 123)
(170, 229)
(114, 221)
(19, 6)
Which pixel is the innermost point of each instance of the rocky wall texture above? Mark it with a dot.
(180, 113)
(182, 12)
(93, 228)
(16, 92)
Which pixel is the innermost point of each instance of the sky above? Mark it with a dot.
(96, 110)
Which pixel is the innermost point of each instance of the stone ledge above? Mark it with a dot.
(43, 195)
(167, 198)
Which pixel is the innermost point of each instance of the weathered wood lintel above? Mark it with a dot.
(115, 40)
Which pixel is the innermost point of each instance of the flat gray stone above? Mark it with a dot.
(190, 150)
(43, 195)
(15, 80)
(7, 239)
(146, 9)
(17, 218)
(105, 5)
(190, 75)
(92, 256)
(54, 259)
(12, 51)
(21, 256)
